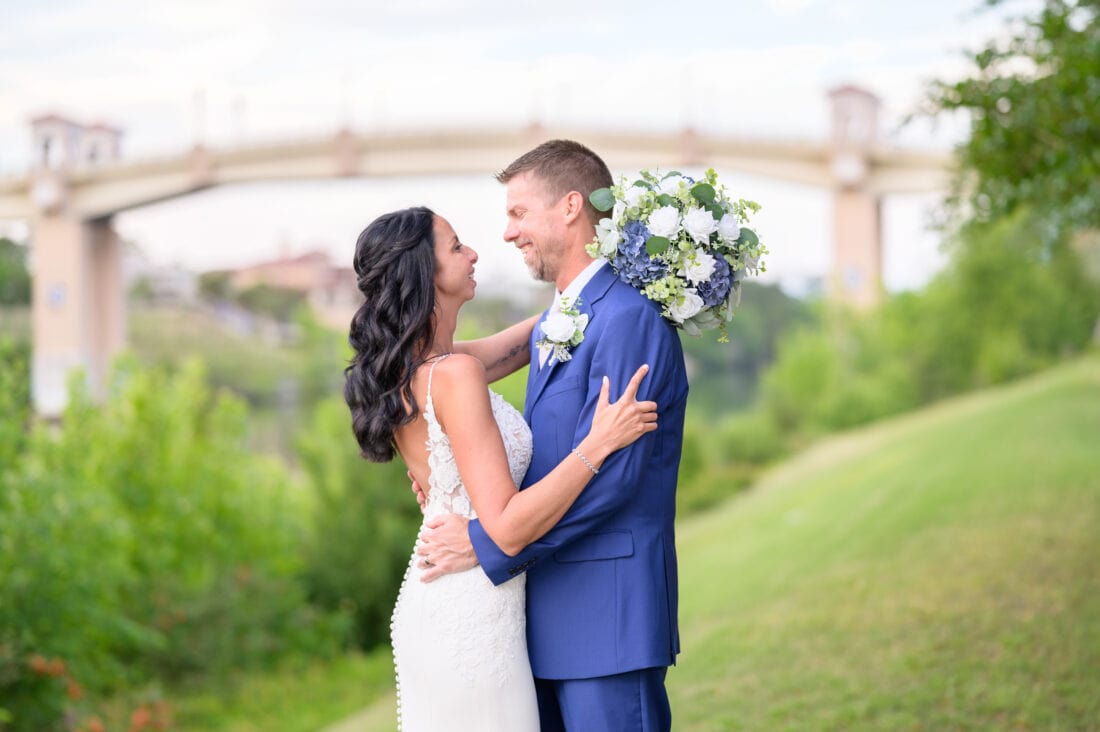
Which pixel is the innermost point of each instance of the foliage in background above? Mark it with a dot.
(15, 279)
(280, 303)
(1034, 121)
(15, 400)
(725, 376)
(1006, 305)
(249, 366)
(142, 542)
(1017, 293)
(364, 524)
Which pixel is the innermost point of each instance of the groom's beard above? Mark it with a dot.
(538, 271)
(543, 264)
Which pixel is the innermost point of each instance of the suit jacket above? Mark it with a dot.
(601, 585)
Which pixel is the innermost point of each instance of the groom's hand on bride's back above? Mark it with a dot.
(421, 497)
(445, 547)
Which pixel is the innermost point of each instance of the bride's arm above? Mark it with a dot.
(512, 518)
(504, 352)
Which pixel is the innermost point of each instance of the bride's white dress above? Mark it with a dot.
(459, 642)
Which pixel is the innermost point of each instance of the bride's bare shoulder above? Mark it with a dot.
(459, 371)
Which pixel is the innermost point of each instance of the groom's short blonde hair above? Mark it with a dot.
(564, 166)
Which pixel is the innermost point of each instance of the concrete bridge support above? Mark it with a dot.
(79, 319)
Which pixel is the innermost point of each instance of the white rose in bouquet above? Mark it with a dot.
(698, 268)
(691, 305)
(633, 195)
(671, 185)
(665, 222)
(700, 224)
(728, 228)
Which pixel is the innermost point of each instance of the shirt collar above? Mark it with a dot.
(574, 288)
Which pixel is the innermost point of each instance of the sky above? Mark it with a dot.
(244, 71)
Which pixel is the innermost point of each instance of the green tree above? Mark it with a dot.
(1034, 120)
(725, 376)
(215, 285)
(15, 279)
(278, 302)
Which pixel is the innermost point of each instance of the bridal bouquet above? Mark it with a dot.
(681, 243)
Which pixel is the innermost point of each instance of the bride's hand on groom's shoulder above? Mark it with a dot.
(445, 547)
(619, 423)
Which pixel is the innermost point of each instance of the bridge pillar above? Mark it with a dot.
(856, 276)
(79, 317)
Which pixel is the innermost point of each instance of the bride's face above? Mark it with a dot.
(535, 226)
(454, 264)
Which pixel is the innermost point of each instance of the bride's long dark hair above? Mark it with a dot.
(393, 330)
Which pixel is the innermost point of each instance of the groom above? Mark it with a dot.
(601, 585)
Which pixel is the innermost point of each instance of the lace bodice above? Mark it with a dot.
(446, 493)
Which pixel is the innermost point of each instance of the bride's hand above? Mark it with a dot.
(618, 424)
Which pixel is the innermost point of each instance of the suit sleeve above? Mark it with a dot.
(625, 343)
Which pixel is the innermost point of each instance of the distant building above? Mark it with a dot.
(62, 142)
(330, 290)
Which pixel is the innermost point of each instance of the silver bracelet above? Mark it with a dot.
(593, 468)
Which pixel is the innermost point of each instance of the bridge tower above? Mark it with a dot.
(856, 276)
(79, 297)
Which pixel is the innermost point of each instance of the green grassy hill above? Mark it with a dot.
(939, 571)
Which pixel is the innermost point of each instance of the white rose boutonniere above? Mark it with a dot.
(563, 330)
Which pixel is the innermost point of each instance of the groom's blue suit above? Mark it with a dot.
(601, 585)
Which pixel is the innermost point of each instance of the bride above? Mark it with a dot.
(459, 643)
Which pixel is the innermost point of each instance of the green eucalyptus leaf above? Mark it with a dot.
(641, 184)
(666, 200)
(602, 199)
(672, 173)
(703, 193)
(748, 236)
(716, 211)
(656, 245)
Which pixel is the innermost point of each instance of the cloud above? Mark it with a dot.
(788, 8)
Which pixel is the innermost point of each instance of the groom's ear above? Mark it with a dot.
(572, 206)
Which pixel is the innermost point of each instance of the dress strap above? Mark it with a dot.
(431, 371)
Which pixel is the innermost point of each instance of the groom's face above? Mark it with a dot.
(535, 226)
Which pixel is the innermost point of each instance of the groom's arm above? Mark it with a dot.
(626, 343)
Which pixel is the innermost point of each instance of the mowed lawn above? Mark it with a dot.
(939, 571)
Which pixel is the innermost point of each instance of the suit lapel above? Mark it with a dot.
(536, 375)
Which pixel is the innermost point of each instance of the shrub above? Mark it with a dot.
(364, 525)
(141, 540)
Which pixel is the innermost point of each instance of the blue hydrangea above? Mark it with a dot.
(632, 262)
(715, 291)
